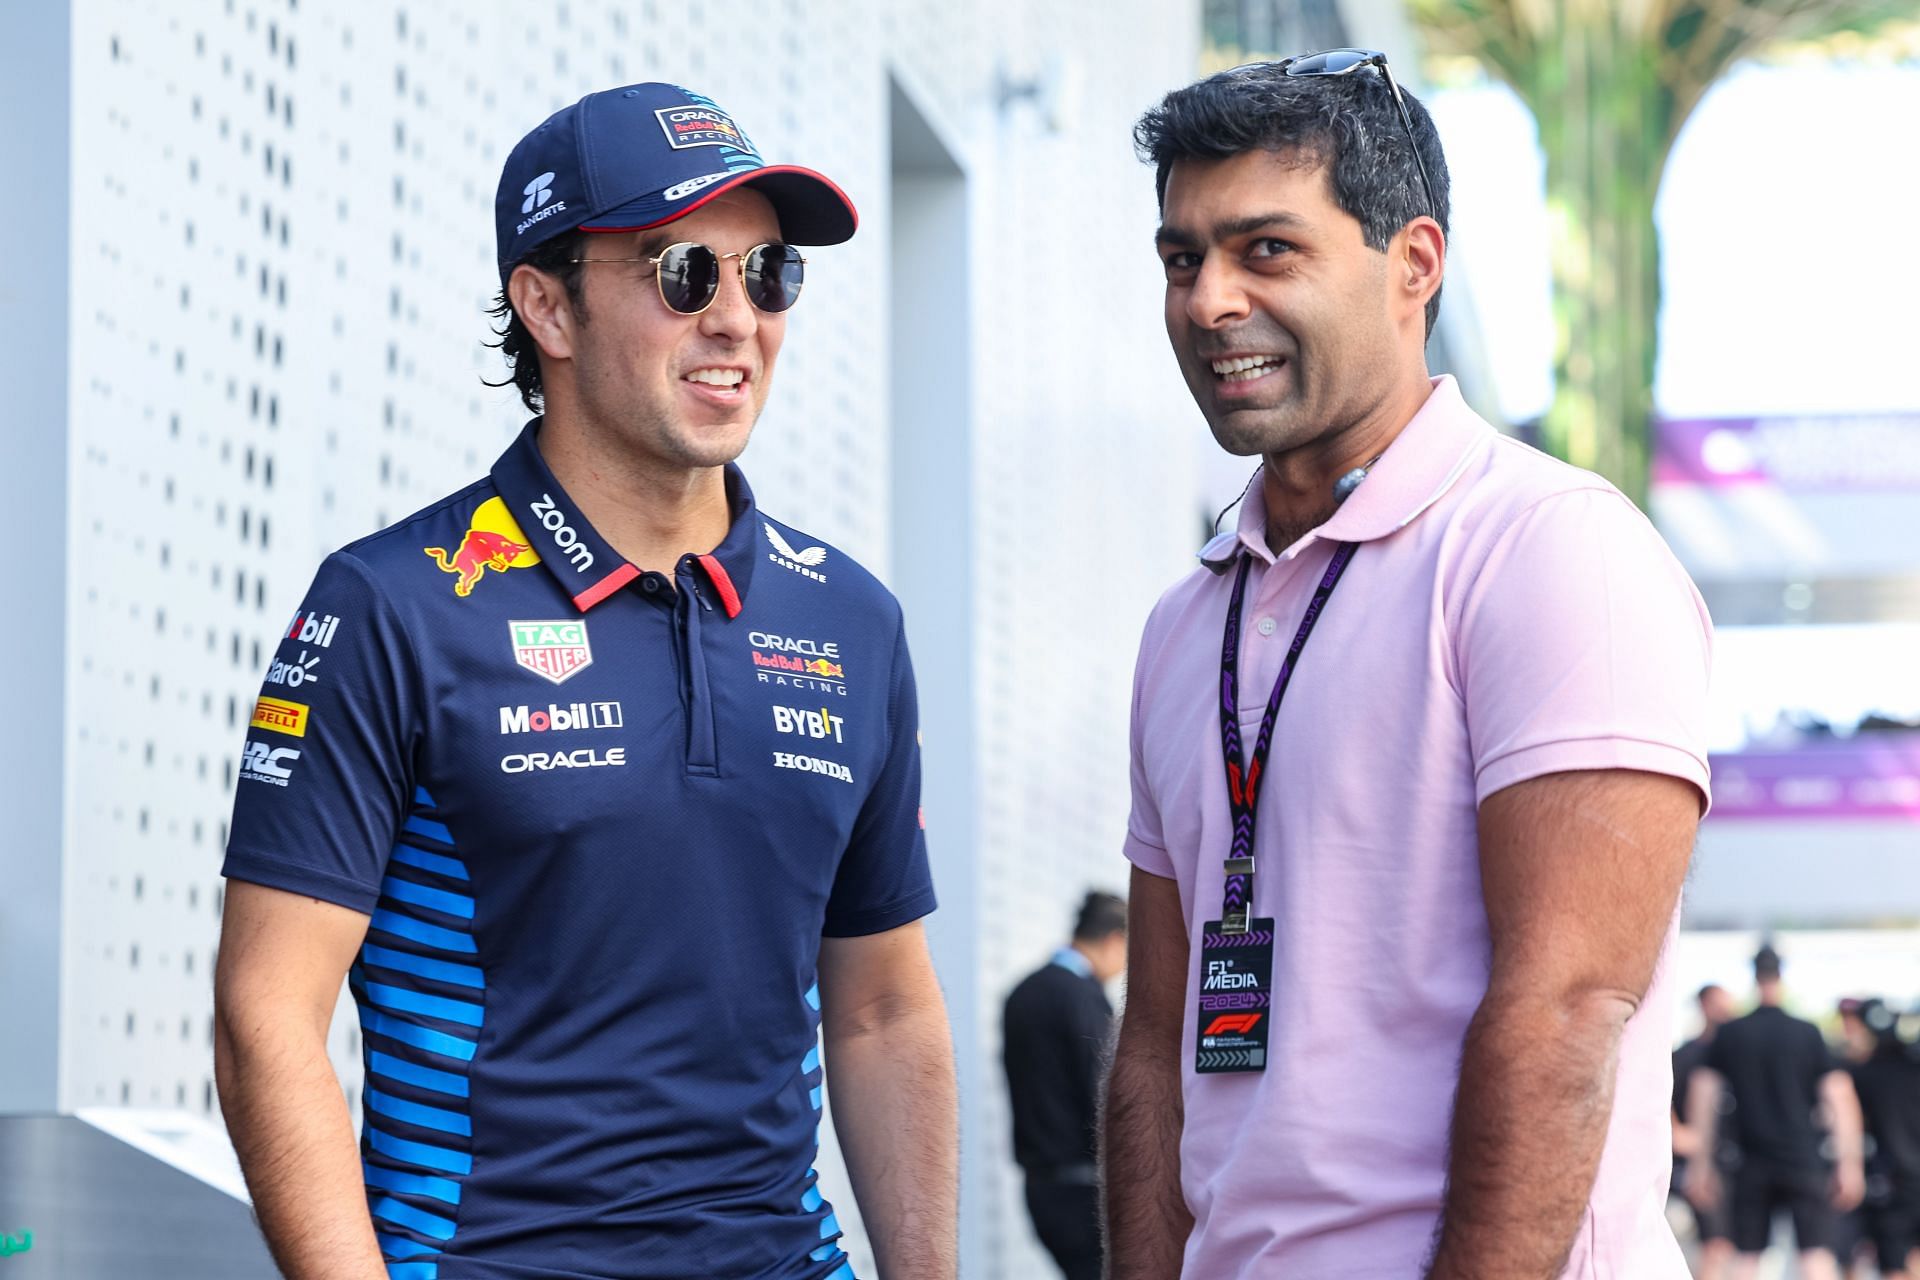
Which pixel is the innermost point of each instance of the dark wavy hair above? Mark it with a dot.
(1346, 123)
(1101, 916)
(515, 344)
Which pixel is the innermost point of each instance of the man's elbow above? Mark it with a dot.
(903, 1012)
(1575, 1008)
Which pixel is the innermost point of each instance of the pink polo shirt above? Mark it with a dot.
(1506, 616)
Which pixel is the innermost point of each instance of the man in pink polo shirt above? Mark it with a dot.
(1417, 762)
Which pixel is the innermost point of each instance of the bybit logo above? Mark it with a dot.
(537, 192)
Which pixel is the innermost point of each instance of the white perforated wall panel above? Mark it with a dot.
(281, 252)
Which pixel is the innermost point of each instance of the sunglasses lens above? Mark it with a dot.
(1331, 63)
(775, 273)
(689, 274)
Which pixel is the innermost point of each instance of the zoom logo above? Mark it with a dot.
(537, 192)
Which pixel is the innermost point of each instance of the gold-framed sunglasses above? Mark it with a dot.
(688, 274)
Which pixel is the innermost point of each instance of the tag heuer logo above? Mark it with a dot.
(555, 649)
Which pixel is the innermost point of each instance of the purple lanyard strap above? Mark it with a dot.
(1243, 788)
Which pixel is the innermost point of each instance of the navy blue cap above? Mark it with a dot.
(640, 156)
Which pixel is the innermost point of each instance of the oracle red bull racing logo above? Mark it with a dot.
(493, 541)
(693, 126)
(792, 662)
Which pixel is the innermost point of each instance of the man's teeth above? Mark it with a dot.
(1245, 368)
(717, 377)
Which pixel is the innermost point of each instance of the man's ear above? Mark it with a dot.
(1422, 261)
(541, 302)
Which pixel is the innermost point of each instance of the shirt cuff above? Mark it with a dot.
(1593, 753)
(859, 924)
(275, 873)
(1150, 856)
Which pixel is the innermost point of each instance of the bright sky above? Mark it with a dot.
(1783, 220)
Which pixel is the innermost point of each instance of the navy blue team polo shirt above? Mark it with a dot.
(600, 823)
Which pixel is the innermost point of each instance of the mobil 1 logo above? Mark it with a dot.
(1236, 998)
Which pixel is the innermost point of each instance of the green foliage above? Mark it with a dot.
(1610, 84)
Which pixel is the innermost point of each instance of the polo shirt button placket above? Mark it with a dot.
(702, 731)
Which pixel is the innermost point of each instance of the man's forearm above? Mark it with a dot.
(1529, 1123)
(897, 1117)
(1147, 1221)
(290, 1128)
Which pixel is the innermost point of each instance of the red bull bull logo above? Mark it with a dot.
(493, 541)
(824, 669)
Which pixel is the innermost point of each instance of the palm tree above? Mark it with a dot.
(1610, 83)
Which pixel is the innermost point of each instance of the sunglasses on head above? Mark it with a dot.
(1344, 62)
(689, 275)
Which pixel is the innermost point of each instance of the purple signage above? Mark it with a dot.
(1799, 454)
(1872, 775)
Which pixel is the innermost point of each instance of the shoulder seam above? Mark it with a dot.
(400, 623)
(425, 513)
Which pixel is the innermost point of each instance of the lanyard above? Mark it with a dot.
(1243, 789)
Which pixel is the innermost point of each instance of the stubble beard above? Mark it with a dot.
(652, 436)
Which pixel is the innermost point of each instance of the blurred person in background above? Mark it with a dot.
(596, 946)
(1055, 1028)
(1710, 1225)
(1394, 1004)
(1782, 1087)
(1852, 1230)
(1887, 1080)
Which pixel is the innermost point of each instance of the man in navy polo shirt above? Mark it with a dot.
(601, 789)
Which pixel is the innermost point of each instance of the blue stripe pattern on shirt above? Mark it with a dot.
(419, 1202)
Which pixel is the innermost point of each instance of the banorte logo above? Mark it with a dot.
(493, 541)
(537, 192)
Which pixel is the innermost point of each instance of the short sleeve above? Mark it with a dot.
(325, 775)
(884, 881)
(1146, 842)
(1582, 644)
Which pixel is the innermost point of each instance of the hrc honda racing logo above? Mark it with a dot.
(266, 763)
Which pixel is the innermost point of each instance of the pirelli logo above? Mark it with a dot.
(276, 716)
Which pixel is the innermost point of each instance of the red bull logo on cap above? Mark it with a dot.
(493, 541)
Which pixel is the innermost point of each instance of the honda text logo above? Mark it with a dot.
(537, 192)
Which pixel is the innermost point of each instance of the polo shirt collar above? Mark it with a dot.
(585, 564)
(1425, 460)
(1072, 961)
